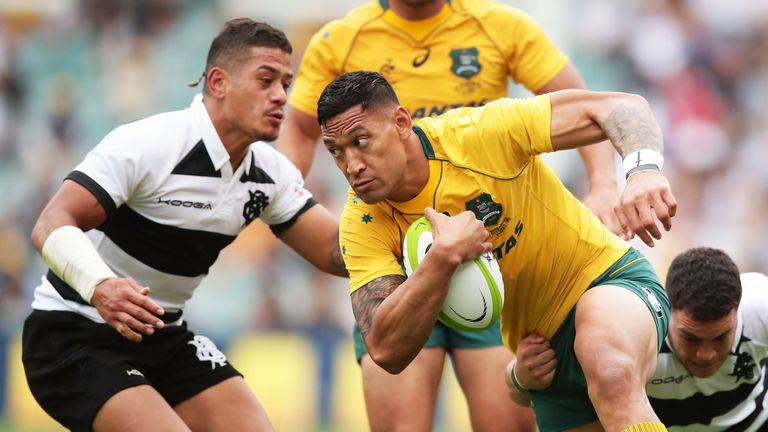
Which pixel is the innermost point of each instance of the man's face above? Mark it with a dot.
(702, 346)
(367, 148)
(256, 92)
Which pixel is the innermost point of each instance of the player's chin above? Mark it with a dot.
(268, 134)
(368, 197)
(703, 371)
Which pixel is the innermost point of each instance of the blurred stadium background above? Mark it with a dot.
(71, 70)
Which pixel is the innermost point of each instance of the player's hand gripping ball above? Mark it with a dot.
(476, 292)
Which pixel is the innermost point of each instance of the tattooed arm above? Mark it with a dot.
(581, 117)
(396, 315)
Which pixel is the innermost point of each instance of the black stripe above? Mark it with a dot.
(644, 167)
(699, 408)
(665, 348)
(744, 424)
(256, 174)
(169, 249)
(197, 163)
(280, 228)
(69, 293)
(104, 198)
(65, 291)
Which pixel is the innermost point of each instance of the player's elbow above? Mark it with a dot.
(635, 100)
(389, 360)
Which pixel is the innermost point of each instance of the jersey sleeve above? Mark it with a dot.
(533, 59)
(113, 169)
(370, 243)
(319, 66)
(499, 138)
(291, 198)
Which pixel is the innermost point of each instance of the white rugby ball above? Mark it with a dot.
(476, 292)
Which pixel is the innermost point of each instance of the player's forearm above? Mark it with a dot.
(630, 126)
(403, 321)
(336, 264)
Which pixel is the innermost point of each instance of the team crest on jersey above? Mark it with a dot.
(744, 366)
(253, 208)
(485, 209)
(465, 62)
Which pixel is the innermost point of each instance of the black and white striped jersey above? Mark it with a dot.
(733, 399)
(173, 202)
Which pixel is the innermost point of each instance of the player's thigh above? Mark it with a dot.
(480, 373)
(227, 406)
(406, 401)
(614, 328)
(137, 408)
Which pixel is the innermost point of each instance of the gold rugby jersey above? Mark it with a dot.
(461, 57)
(549, 245)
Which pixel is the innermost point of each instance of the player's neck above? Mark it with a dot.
(416, 13)
(235, 142)
(416, 171)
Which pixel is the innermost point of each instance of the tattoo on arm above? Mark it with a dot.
(337, 261)
(631, 127)
(367, 299)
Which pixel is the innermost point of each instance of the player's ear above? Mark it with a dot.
(217, 81)
(403, 121)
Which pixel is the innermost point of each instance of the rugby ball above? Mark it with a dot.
(476, 291)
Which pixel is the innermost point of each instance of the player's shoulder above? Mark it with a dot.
(754, 279)
(150, 135)
(490, 12)
(754, 290)
(754, 302)
(154, 125)
(346, 27)
(276, 164)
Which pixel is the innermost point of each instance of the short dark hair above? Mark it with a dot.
(366, 88)
(705, 282)
(237, 36)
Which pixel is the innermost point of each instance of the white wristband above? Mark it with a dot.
(71, 256)
(515, 381)
(642, 160)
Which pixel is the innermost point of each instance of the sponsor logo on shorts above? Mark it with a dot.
(655, 303)
(207, 351)
(134, 372)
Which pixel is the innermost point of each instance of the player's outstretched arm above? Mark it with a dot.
(581, 117)
(58, 235)
(396, 315)
(598, 159)
(315, 236)
(298, 138)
